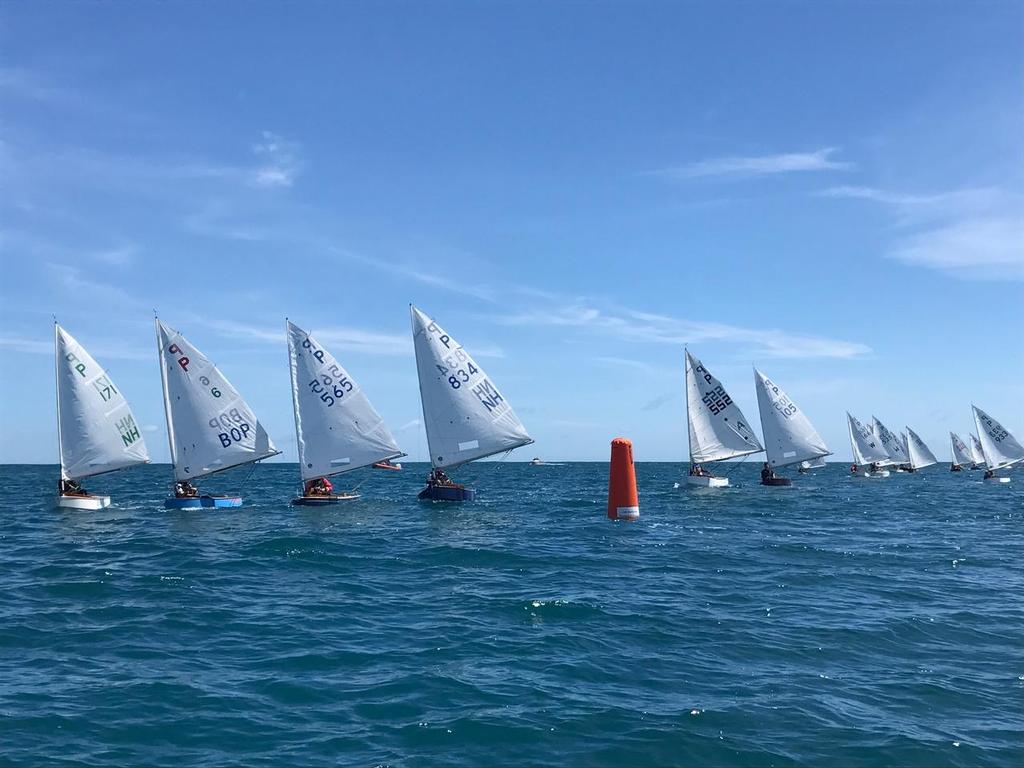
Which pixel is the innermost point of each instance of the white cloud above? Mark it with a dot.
(279, 158)
(28, 346)
(347, 338)
(436, 279)
(759, 165)
(415, 423)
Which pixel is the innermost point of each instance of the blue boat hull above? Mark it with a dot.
(447, 493)
(202, 502)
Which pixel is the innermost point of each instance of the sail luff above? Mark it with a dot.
(56, 383)
(167, 399)
(293, 376)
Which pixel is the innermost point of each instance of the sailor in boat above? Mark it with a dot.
(853, 469)
(989, 474)
(183, 489)
(698, 471)
(437, 477)
(767, 473)
(873, 468)
(72, 488)
(954, 467)
(318, 486)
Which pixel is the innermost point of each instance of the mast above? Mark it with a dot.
(56, 381)
(853, 441)
(163, 381)
(295, 395)
(686, 391)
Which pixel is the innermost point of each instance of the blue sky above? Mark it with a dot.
(831, 191)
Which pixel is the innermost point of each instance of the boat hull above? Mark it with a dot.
(446, 493)
(997, 479)
(703, 481)
(83, 502)
(872, 475)
(203, 502)
(323, 501)
(777, 482)
(391, 467)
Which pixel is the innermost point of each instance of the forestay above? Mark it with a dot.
(789, 437)
(867, 447)
(336, 427)
(961, 453)
(890, 442)
(1001, 449)
(97, 430)
(919, 453)
(465, 416)
(718, 429)
(977, 453)
(210, 427)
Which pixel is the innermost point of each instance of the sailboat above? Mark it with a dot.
(896, 456)
(336, 428)
(465, 416)
(868, 452)
(1000, 449)
(210, 428)
(96, 431)
(806, 466)
(920, 455)
(718, 430)
(961, 453)
(789, 436)
(977, 453)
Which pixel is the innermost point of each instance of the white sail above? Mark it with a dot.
(718, 429)
(867, 447)
(1001, 449)
(890, 442)
(209, 426)
(336, 428)
(96, 427)
(465, 416)
(789, 437)
(961, 453)
(977, 453)
(813, 464)
(919, 453)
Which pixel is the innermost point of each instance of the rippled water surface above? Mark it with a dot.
(843, 622)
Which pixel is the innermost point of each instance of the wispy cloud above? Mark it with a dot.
(279, 161)
(438, 279)
(758, 165)
(415, 423)
(659, 401)
(102, 350)
(635, 326)
(335, 338)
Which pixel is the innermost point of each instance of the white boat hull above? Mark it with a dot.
(699, 481)
(83, 502)
(869, 475)
(997, 479)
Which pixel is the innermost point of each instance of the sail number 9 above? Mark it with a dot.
(717, 400)
(330, 389)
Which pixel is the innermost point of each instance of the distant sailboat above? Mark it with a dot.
(336, 428)
(789, 436)
(896, 455)
(210, 428)
(718, 430)
(977, 453)
(465, 416)
(1000, 449)
(961, 453)
(920, 455)
(868, 452)
(96, 430)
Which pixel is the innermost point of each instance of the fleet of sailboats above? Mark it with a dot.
(210, 427)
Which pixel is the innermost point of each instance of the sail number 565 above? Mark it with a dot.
(331, 389)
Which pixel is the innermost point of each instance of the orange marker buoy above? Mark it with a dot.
(623, 503)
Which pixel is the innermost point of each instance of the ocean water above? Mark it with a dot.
(841, 622)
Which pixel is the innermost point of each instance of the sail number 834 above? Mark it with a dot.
(458, 368)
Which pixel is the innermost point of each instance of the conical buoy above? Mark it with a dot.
(623, 503)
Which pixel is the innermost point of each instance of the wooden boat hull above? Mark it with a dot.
(447, 493)
(203, 502)
(777, 482)
(87, 503)
(701, 481)
(323, 501)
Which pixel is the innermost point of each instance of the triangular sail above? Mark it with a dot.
(789, 437)
(718, 429)
(336, 428)
(210, 427)
(465, 416)
(920, 454)
(1001, 449)
(867, 447)
(890, 442)
(961, 453)
(977, 453)
(97, 430)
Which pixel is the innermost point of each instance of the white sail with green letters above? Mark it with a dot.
(209, 426)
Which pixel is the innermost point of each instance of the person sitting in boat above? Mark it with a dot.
(698, 471)
(853, 469)
(183, 489)
(767, 473)
(954, 467)
(874, 467)
(989, 474)
(72, 488)
(319, 486)
(438, 477)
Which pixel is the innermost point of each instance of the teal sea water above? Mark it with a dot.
(841, 622)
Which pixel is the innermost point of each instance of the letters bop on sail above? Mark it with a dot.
(961, 453)
(890, 443)
(718, 429)
(96, 427)
(867, 447)
(789, 437)
(1001, 449)
(336, 427)
(920, 454)
(464, 414)
(977, 454)
(209, 426)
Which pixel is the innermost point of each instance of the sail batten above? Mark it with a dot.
(789, 436)
(97, 432)
(210, 427)
(465, 416)
(717, 427)
(1000, 448)
(337, 429)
